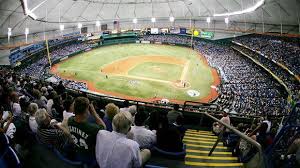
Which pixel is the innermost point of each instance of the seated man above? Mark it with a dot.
(50, 133)
(114, 150)
(110, 111)
(84, 133)
(143, 136)
(173, 114)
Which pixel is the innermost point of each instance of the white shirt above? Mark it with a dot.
(16, 109)
(114, 150)
(49, 106)
(143, 136)
(67, 115)
(227, 121)
(32, 124)
(269, 125)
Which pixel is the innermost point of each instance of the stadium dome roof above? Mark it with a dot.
(70, 12)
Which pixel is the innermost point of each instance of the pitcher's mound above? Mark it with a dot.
(182, 84)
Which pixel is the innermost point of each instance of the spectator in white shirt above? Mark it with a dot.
(114, 150)
(68, 112)
(267, 120)
(50, 102)
(143, 136)
(15, 106)
(32, 108)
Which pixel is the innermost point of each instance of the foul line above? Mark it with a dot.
(185, 70)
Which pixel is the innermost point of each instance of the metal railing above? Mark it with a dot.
(243, 136)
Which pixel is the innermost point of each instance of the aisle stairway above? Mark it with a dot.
(198, 144)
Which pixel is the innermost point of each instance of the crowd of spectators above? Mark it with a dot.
(254, 91)
(38, 69)
(286, 77)
(184, 40)
(281, 49)
(77, 127)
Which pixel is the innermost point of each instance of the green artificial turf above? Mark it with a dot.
(87, 67)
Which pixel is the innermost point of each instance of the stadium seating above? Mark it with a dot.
(248, 92)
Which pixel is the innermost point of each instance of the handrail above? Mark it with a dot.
(242, 135)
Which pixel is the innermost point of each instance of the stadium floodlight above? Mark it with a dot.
(61, 27)
(79, 25)
(226, 20)
(134, 20)
(153, 20)
(172, 19)
(98, 23)
(248, 10)
(26, 31)
(208, 19)
(9, 31)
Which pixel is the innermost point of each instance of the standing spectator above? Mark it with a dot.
(50, 102)
(173, 114)
(60, 87)
(143, 136)
(168, 138)
(15, 106)
(83, 132)
(114, 150)
(267, 120)
(68, 112)
(110, 111)
(33, 107)
(39, 99)
(179, 125)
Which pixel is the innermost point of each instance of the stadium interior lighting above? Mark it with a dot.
(79, 25)
(172, 19)
(226, 20)
(9, 31)
(98, 23)
(153, 20)
(26, 30)
(248, 10)
(30, 12)
(208, 19)
(134, 20)
(61, 27)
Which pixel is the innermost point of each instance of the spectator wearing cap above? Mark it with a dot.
(113, 149)
(33, 107)
(110, 111)
(173, 114)
(143, 136)
(83, 132)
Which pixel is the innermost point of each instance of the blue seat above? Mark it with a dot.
(66, 160)
(153, 166)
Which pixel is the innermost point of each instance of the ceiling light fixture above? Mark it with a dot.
(172, 19)
(250, 9)
(153, 20)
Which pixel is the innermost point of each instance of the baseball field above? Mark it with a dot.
(146, 72)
